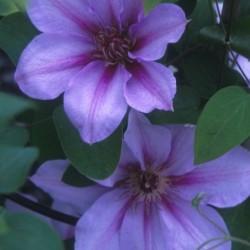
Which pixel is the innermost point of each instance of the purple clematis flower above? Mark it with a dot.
(100, 53)
(147, 203)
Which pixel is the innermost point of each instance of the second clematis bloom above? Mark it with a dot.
(147, 203)
(100, 54)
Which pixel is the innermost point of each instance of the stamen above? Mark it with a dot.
(113, 46)
(146, 185)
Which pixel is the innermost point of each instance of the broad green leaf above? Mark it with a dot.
(96, 161)
(10, 6)
(73, 178)
(16, 136)
(16, 31)
(26, 232)
(11, 106)
(223, 124)
(15, 163)
(186, 108)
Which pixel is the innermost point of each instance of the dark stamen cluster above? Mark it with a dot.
(148, 182)
(113, 46)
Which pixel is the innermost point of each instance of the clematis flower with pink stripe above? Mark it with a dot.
(100, 54)
(147, 203)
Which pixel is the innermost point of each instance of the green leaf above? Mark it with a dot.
(98, 160)
(16, 136)
(16, 31)
(10, 6)
(149, 4)
(73, 178)
(240, 38)
(3, 224)
(237, 220)
(15, 163)
(223, 124)
(26, 232)
(244, 8)
(214, 34)
(12, 106)
(203, 15)
(44, 135)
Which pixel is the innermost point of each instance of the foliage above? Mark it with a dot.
(211, 94)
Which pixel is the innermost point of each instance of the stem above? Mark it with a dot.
(229, 12)
(48, 212)
(221, 239)
(238, 240)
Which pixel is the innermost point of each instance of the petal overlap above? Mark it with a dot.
(144, 140)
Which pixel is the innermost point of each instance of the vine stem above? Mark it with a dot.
(229, 13)
(43, 210)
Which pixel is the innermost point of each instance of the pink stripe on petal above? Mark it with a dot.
(59, 65)
(99, 228)
(223, 182)
(49, 62)
(75, 17)
(149, 143)
(90, 102)
(152, 86)
(187, 228)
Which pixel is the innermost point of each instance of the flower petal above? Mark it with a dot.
(181, 157)
(62, 16)
(133, 12)
(95, 103)
(153, 34)
(149, 143)
(127, 159)
(107, 12)
(49, 62)
(152, 86)
(188, 229)
(244, 63)
(48, 177)
(223, 182)
(99, 226)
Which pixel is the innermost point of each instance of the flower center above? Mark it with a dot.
(147, 185)
(113, 46)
